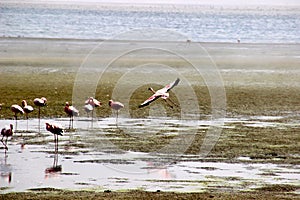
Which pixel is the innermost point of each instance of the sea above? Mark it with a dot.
(260, 24)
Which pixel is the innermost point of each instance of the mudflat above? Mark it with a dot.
(261, 83)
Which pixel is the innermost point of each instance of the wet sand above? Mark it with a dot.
(259, 79)
(261, 82)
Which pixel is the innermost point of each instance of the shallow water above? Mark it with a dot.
(89, 159)
(217, 25)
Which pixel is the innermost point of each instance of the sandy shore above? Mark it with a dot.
(260, 79)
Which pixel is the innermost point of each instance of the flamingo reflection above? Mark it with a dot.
(160, 169)
(57, 130)
(55, 169)
(5, 171)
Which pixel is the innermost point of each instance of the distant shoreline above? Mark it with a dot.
(155, 4)
(102, 40)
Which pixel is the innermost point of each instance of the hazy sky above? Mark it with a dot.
(200, 2)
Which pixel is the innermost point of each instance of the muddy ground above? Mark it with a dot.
(259, 80)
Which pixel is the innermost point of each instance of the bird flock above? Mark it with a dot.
(90, 104)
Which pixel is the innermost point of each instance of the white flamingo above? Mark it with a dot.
(115, 105)
(40, 102)
(88, 108)
(93, 102)
(27, 109)
(16, 109)
(90, 104)
(162, 93)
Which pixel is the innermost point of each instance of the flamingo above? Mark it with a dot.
(57, 130)
(6, 132)
(40, 102)
(27, 109)
(71, 111)
(90, 104)
(116, 106)
(162, 93)
(17, 110)
(93, 102)
(88, 108)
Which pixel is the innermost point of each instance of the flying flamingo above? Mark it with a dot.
(162, 93)
(71, 112)
(116, 106)
(16, 109)
(40, 102)
(57, 130)
(27, 109)
(6, 132)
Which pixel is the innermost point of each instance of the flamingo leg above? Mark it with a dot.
(39, 119)
(16, 119)
(6, 143)
(5, 147)
(70, 122)
(27, 120)
(168, 103)
(172, 102)
(56, 143)
(92, 117)
(55, 159)
(117, 117)
(56, 151)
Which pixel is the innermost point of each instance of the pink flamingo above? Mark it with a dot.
(162, 93)
(27, 109)
(71, 112)
(57, 130)
(40, 102)
(93, 102)
(116, 106)
(90, 104)
(17, 110)
(6, 132)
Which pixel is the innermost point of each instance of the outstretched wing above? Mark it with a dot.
(168, 87)
(149, 100)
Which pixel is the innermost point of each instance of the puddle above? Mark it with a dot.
(79, 164)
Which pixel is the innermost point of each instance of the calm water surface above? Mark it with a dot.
(89, 23)
(80, 165)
